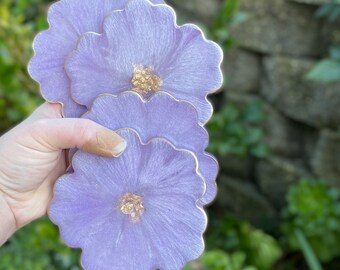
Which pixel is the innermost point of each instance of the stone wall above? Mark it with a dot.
(279, 43)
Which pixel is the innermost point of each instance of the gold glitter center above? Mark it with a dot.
(144, 81)
(131, 205)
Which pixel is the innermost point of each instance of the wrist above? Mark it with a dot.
(7, 220)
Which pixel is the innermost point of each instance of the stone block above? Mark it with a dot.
(275, 175)
(331, 33)
(326, 159)
(240, 99)
(200, 10)
(240, 167)
(286, 88)
(244, 201)
(281, 135)
(310, 137)
(279, 27)
(242, 70)
(311, 2)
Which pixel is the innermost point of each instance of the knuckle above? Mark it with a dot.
(38, 126)
(82, 128)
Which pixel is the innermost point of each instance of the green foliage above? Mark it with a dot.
(237, 131)
(18, 93)
(308, 252)
(228, 16)
(328, 70)
(313, 209)
(232, 235)
(29, 247)
(33, 12)
(219, 260)
(329, 11)
(312, 217)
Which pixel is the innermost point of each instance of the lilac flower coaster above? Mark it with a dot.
(137, 211)
(68, 20)
(143, 50)
(162, 116)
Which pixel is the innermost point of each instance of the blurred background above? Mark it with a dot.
(275, 132)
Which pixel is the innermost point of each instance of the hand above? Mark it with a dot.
(32, 157)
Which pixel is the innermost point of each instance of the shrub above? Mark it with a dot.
(314, 210)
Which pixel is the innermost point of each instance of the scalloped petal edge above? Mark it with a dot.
(176, 27)
(197, 204)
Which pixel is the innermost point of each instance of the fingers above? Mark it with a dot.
(57, 133)
(8, 223)
(47, 110)
(66, 133)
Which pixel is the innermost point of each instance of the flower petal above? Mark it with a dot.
(176, 228)
(128, 248)
(78, 209)
(194, 71)
(47, 68)
(208, 167)
(68, 20)
(147, 35)
(161, 116)
(164, 117)
(91, 73)
(169, 232)
(130, 37)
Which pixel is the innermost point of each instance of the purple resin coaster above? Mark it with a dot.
(164, 117)
(137, 211)
(143, 49)
(68, 20)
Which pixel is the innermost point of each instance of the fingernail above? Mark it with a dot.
(119, 149)
(107, 144)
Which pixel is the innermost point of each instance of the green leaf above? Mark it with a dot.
(222, 34)
(335, 14)
(253, 112)
(313, 209)
(220, 260)
(323, 11)
(188, 267)
(259, 150)
(229, 8)
(327, 70)
(235, 236)
(240, 17)
(308, 252)
(253, 136)
(330, 11)
(335, 52)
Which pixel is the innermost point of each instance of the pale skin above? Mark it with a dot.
(33, 156)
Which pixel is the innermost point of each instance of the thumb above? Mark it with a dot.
(66, 133)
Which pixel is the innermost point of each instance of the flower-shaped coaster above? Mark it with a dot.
(137, 211)
(142, 49)
(68, 20)
(161, 116)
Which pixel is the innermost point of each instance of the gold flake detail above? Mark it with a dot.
(131, 205)
(144, 81)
